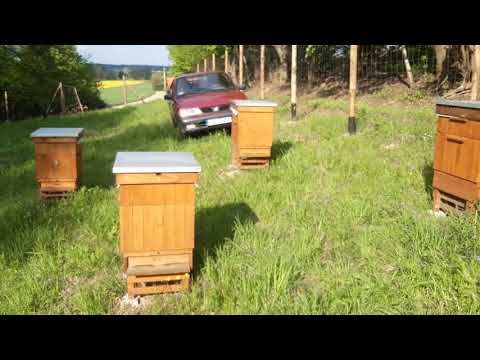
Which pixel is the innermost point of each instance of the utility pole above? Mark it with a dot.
(352, 124)
(294, 82)
(262, 72)
(240, 65)
(62, 99)
(124, 90)
(6, 106)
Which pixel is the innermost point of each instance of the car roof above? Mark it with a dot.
(199, 73)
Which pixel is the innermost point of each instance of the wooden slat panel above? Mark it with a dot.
(155, 194)
(160, 269)
(457, 156)
(153, 225)
(464, 189)
(255, 130)
(255, 109)
(56, 161)
(160, 259)
(164, 178)
(471, 114)
(55, 140)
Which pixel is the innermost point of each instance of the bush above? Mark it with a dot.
(32, 73)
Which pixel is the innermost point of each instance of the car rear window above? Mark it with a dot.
(203, 83)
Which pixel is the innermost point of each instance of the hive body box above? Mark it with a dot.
(456, 181)
(157, 218)
(252, 133)
(57, 159)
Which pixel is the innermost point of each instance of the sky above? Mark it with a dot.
(125, 54)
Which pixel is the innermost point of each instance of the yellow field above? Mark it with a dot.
(108, 84)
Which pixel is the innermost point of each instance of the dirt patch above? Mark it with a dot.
(391, 146)
(229, 173)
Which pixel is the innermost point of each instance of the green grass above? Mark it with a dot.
(114, 96)
(338, 225)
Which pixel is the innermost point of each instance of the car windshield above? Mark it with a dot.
(203, 83)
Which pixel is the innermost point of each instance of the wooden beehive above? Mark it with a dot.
(57, 159)
(252, 133)
(456, 180)
(157, 218)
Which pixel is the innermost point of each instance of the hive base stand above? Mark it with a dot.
(157, 284)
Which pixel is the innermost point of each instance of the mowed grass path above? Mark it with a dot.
(114, 96)
(337, 225)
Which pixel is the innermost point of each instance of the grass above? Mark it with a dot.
(114, 95)
(338, 225)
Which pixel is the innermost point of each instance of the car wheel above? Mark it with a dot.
(180, 133)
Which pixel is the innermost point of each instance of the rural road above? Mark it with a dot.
(155, 97)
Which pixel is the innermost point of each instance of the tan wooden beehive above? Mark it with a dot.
(157, 217)
(252, 133)
(456, 180)
(57, 159)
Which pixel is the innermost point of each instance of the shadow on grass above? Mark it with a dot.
(427, 172)
(215, 226)
(280, 148)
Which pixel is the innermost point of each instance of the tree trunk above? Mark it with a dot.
(282, 52)
(408, 69)
(440, 57)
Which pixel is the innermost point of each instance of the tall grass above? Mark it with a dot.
(337, 225)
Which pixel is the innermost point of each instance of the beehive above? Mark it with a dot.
(157, 217)
(456, 180)
(252, 133)
(57, 159)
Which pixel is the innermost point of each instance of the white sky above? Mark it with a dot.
(125, 54)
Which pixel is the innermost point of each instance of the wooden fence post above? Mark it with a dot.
(294, 82)
(226, 60)
(262, 72)
(352, 124)
(205, 67)
(62, 99)
(78, 99)
(408, 68)
(6, 106)
(240, 65)
(124, 90)
(213, 62)
(476, 74)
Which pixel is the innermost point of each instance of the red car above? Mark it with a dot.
(201, 101)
